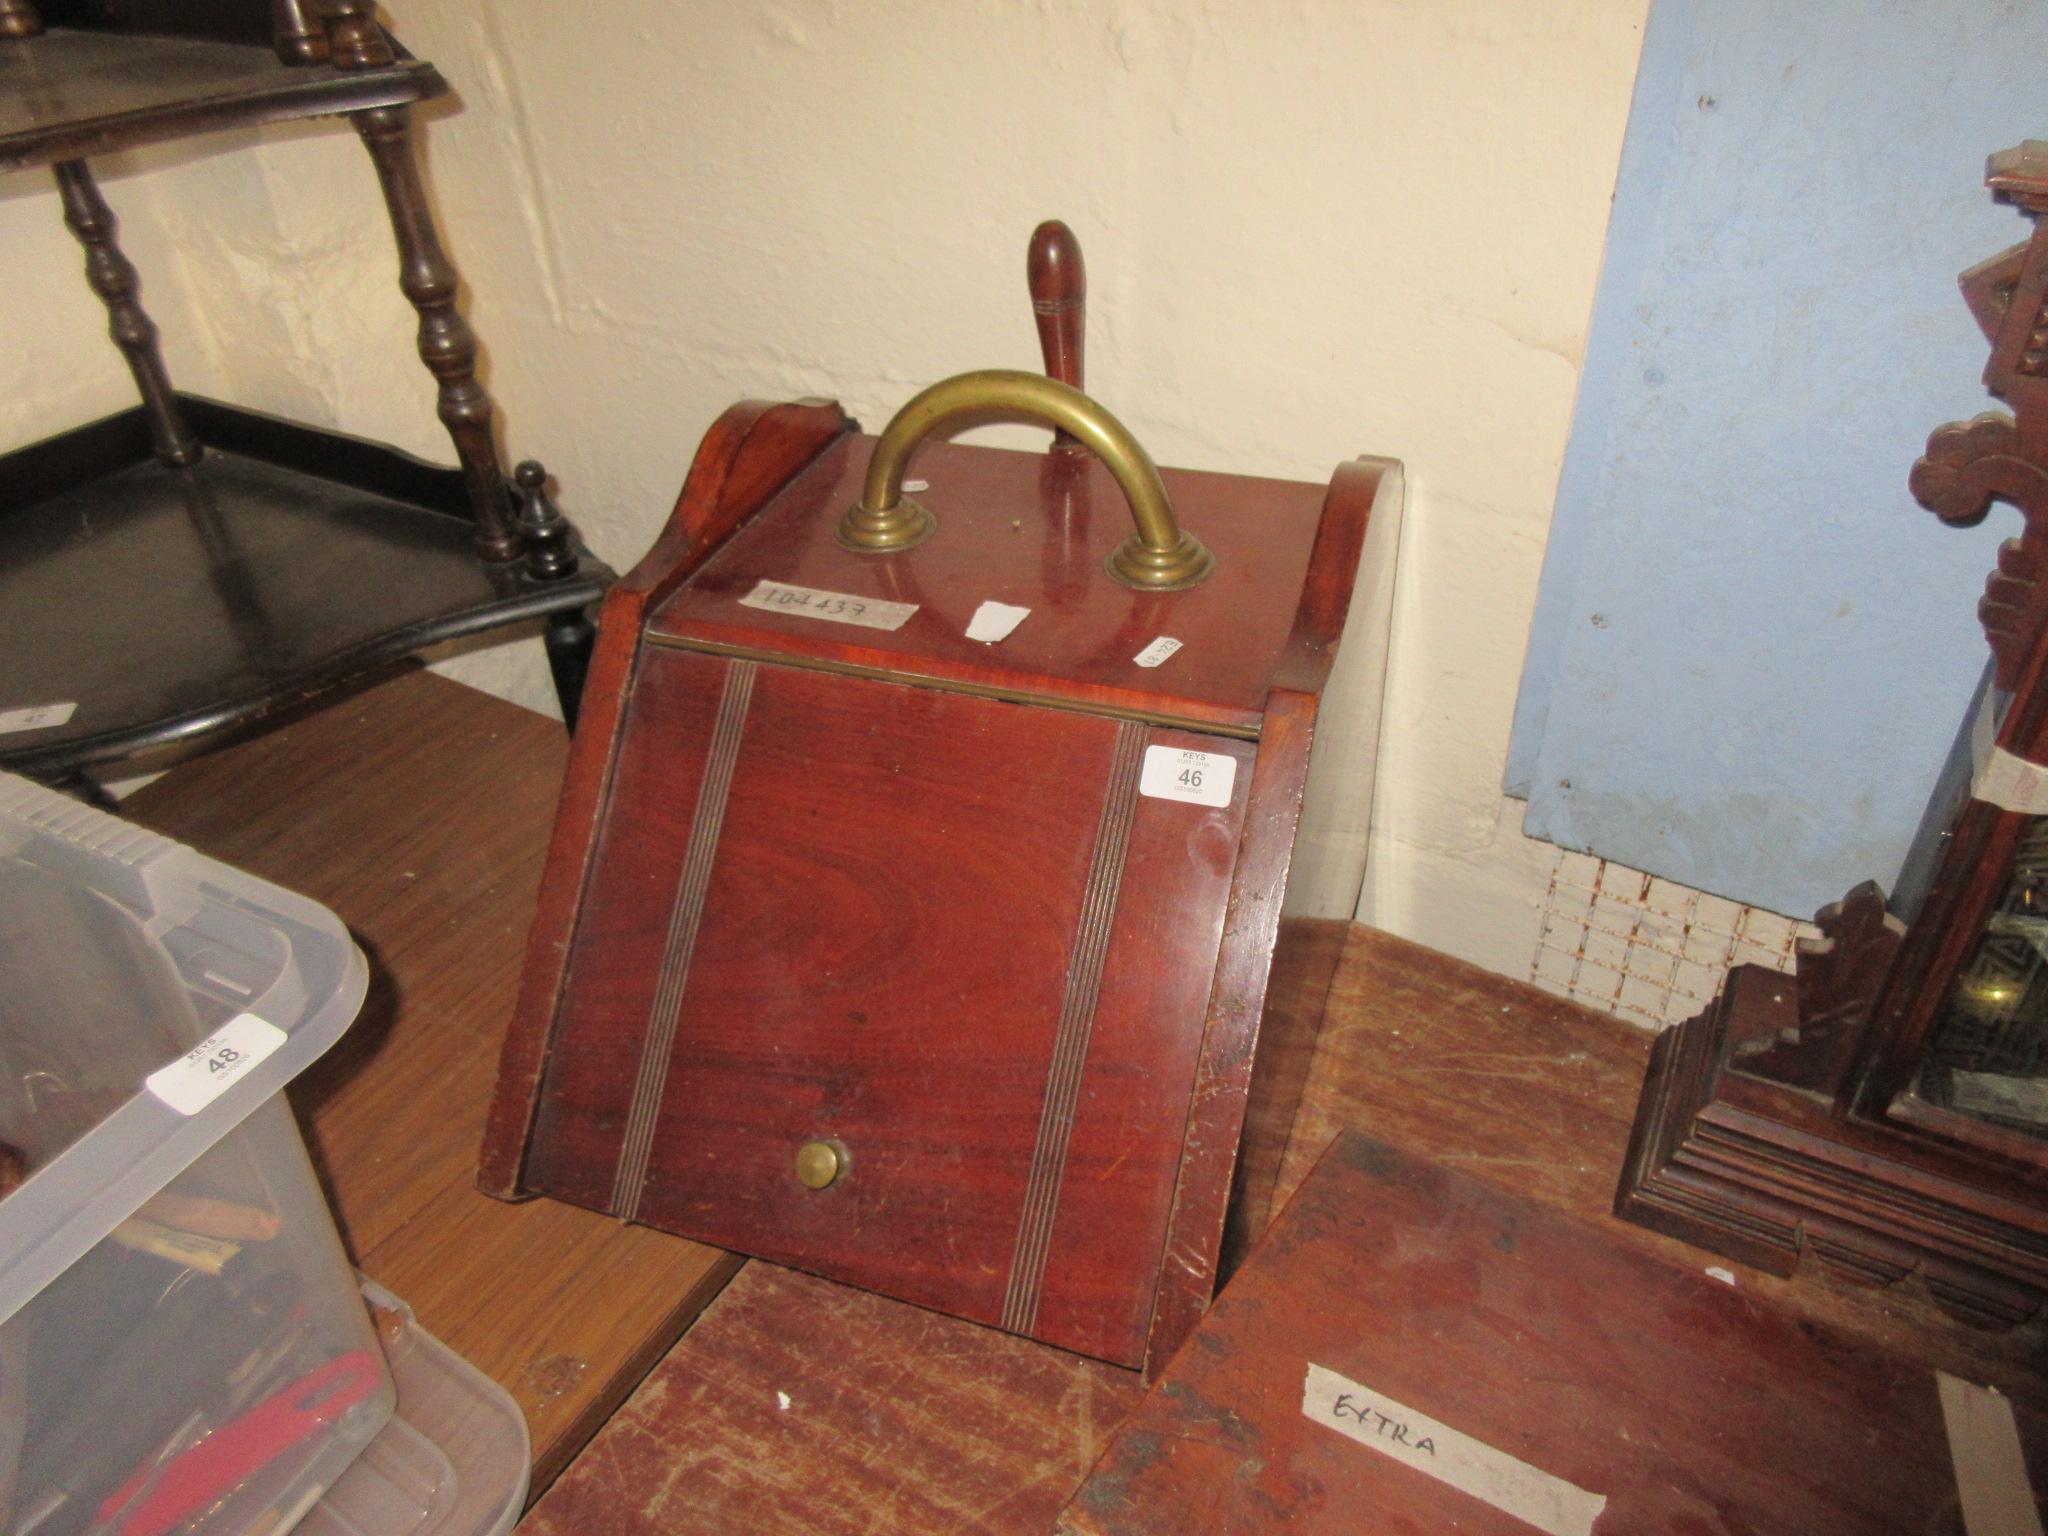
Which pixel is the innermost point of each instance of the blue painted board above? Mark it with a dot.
(1751, 647)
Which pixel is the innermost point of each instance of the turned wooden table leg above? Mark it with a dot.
(551, 556)
(570, 641)
(354, 40)
(447, 346)
(297, 31)
(18, 18)
(113, 278)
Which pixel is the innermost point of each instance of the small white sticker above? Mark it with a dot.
(914, 486)
(993, 621)
(203, 1073)
(839, 607)
(1157, 651)
(1416, 1440)
(1175, 773)
(37, 717)
(1725, 1276)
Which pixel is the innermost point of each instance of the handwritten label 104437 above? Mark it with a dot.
(838, 607)
(203, 1073)
(1471, 1466)
(1176, 773)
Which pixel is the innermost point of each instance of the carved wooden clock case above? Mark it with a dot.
(926, 962)
(1886, 1110)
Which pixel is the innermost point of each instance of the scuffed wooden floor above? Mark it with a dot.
(902, 1423)
(1535, 1095)
(796, 1405)
(1491, 1076)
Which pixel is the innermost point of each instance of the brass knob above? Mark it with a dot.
(818, 1163)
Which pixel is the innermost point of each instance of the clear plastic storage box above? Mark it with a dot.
(182, 1344)
(454, 1459)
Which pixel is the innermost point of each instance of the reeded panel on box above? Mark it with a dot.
(900, 985)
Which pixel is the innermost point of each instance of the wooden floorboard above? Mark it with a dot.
(1499, 1080)
(796, 1405)
(922, 1419)
(1535, 1095)
(418, 810)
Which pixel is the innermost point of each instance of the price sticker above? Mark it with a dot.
(993, 621)
(1199, 778)
(37, 717)
(203, 1073)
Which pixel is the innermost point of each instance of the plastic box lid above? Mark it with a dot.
(454, 1459)
(120, 949)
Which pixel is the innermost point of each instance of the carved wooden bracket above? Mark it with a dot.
(1967, 465)
(1970, 464)
(1781, 1124)
(1838, 979)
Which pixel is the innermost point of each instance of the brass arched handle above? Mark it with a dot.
(1160, 556)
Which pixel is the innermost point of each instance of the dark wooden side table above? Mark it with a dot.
(187, 565)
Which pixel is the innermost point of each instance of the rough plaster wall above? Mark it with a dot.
(1314, 229)
(280, 246)
(56, 367)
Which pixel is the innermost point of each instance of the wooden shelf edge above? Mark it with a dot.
(278, 94)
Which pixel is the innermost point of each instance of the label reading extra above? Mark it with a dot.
(1176, 773)
(1991, 1469)
(203, 1073)
(837, 607)
(1414, 1439)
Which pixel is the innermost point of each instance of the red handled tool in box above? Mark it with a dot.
(158, 1499)
(922, 860)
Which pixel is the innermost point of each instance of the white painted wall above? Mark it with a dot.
(1314, 228)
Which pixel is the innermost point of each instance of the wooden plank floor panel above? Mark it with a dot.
(797, 1405)
(1487, 1075)
(419, 810)
(1536, 1095)
(1453, 1064)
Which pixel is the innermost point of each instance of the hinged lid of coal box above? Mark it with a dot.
(920, 869)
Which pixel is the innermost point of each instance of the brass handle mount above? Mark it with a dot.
(1160, 556)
